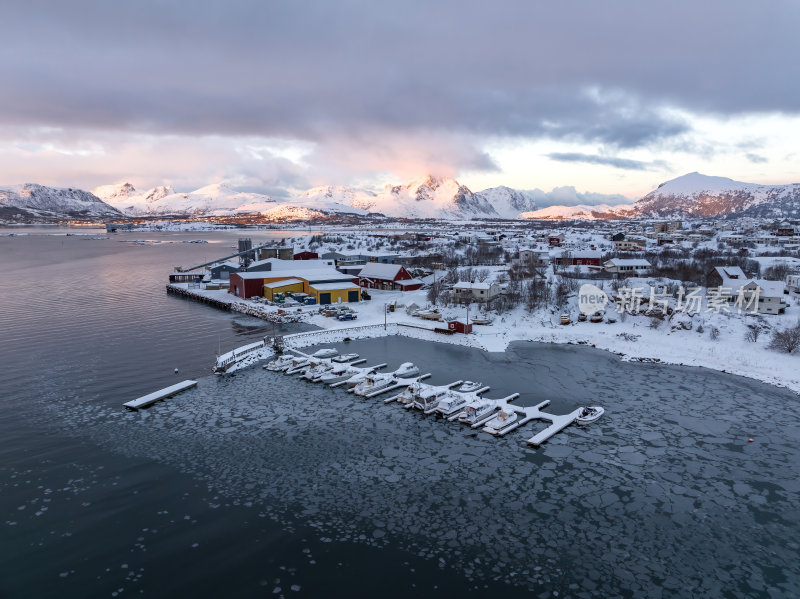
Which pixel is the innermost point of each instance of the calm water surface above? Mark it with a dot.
(258, 484)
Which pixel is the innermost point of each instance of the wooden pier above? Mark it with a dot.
(152, 398)
(174, 290)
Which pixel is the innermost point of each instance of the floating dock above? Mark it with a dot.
(152, 398)
(525, 414)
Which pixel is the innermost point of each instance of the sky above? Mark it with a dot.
(609, 97)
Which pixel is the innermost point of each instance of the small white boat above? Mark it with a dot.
(339, 372)
(325, 353)
(278, 364)
(344, 358)
(476, 411)
(409, 394)
(374, 382)
(406, 370)
(469, 387)
(501, 422)
(451, 403)
(317, 370)
(590, 414)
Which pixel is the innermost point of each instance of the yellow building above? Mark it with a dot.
(333, 293)
(291, 285)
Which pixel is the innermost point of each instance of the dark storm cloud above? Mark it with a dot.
(323, 71)
(623, 163)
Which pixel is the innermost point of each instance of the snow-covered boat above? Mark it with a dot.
(469, 386)
(325, 353)
(451, 403)
(298, 366)
(406, 370)
(476, 411)
(590, 414)
(565, 318)
(339, 372)
(581, 317)
(317, 369)
(596, 317)
(375, 382)
(278, 364)
(502, 421)
(410, 393)
(344, 358)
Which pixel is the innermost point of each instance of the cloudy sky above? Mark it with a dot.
(609, 97)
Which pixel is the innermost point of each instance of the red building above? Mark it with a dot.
(247, 284)
(459, 326)
(306, 256)
(386, 276)
(579, 258)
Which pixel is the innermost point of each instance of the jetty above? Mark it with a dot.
(414, 393)
(152, 398)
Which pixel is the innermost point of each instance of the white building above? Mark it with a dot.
(480, 292)
(627, 266)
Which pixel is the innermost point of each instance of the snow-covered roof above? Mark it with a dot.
(298, 265)
(376, 270)
(469, 285)
(732, 276)
(259, 274)
(770, 288)
(334, 286)
(228, 263)
(322, 275)
(284, 283)
(628, 262)
(577, 254)
(408, 282)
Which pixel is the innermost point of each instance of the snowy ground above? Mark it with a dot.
(631, 336)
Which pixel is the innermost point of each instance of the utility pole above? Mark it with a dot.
(385, 310)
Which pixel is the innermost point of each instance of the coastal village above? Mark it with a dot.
(721, 294)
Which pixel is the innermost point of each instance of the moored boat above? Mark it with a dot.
(344, 358)
(476, 411)
(503, 420)
(469, 386)
(328, 352)
(451, 403)
(590, 414)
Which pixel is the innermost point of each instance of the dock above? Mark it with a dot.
(559, 423)
(152, 398)
(414, 389)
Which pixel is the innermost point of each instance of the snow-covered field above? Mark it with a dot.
(682, 339)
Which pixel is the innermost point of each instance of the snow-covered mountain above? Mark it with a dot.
(212, 200)
(430, 197)
(700, 196)
(507, 202)
(36, 203)
(579, 212)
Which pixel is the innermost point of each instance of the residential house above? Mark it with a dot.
(386, 276)
(476, 291)
(577, 258)
(793, 284)
(306, 256)
(627, 266)
(630, 244)
(555, 240)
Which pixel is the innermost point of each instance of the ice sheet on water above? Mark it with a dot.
(350, 463)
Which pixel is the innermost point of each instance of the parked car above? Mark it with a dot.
(347, 316)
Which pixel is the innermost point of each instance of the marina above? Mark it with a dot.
(460, 401)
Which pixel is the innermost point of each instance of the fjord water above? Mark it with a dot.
(259, 484)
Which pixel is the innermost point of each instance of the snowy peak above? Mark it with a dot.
(32, 202)
(507, 202)
(699, 196)
(116, 191)
(578, 212)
